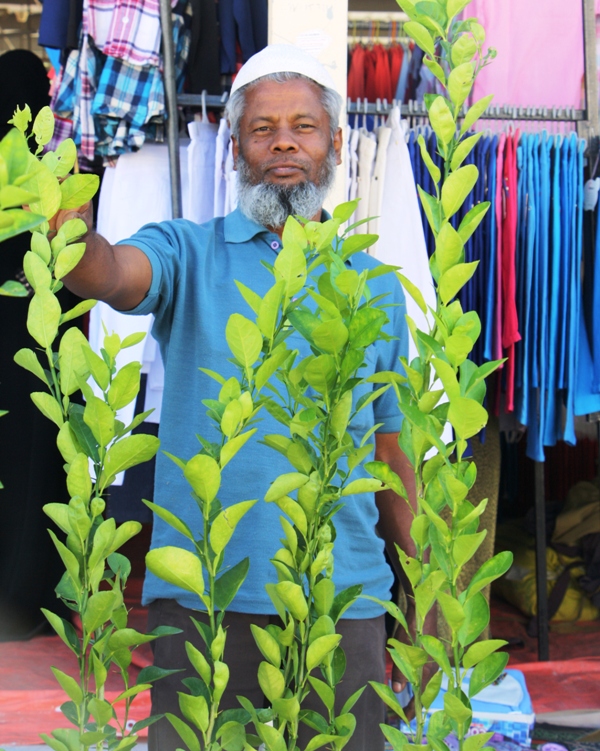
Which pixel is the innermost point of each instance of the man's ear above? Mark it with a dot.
(235, 149)
(338, 140)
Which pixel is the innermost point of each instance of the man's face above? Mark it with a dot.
(285, 135)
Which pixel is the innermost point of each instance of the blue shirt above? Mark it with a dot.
(192, 296)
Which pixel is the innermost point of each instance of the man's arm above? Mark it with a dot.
(120, 275)
(395, 519)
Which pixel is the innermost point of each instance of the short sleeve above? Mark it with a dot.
(163, 244)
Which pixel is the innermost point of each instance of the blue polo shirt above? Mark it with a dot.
(192, 296)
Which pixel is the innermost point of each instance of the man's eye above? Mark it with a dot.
(306, 126)
(261, 129)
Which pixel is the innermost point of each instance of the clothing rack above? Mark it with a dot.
(588, 127)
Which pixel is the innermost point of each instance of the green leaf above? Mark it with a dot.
(457, 187)
(432, 690)
(330, 336)
(432, 209)
(321, 373)
(36, 271)
(199, 662)
(481, 650)
(356, 243)
(185, 732)
(452, 610)
(12, 288)
(290, 267)
(228, 584)
(294, 511)
(391, 608)
(268, 311)
(267, 644)
(323, 596)
(204, 475)
(69, 685)
(388, 697)
(472, 220)
(244, 339)
(422, 37)
(68, 258)
(48, 406)
(43, 126)
(78, 310)
(27, 359)
(285, 484)
(413, 291)
(270, 365)
(253, 300)
(43, 317)
(466, 546)
(464, 149)
(477, 617)
(41, 247)
(72, 362)
(171, 519)
(98, 610)
(442, 122)
(271, 681)
(100, 419)
(487, 671)
(437, 650)
(79, 482)
(457, 712)
(177, 566)
(475, 113)
(292, 596)
(44, 184)
(438, 72)
(460, 83)
(383, 472)
(225, 523)
(125, 385)
(343, 600)
(449, 249)
(195, 710)
(365, 326)
(66, 155)
(489, 572)
(13, 197)
(363, 485)
(65, 630)
(231, 418)
(320, 648)
(127, 453)
(476, 742)
(77, 190)
(395, 737)
(467, 416)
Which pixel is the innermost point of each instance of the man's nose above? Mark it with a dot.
(284, 140)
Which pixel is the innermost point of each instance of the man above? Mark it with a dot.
(287, 143)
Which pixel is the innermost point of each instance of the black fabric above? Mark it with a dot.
(31, 469)
(363, 642)
(59, 24)
(23, 80)
(203, 62)
(243, 21)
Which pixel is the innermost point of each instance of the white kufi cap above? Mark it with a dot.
(282, 58)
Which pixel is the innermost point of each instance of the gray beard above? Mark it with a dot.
(270, 205)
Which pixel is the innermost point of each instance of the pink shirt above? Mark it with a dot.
(540, 51)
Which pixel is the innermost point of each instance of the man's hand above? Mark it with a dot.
(85, 213)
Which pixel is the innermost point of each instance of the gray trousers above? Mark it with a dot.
(362, 640)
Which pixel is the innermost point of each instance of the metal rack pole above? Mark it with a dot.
(540, 564)
(168, 50)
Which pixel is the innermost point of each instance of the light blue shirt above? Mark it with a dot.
(192, 296)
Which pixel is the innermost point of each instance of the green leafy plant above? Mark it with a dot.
(443, 386)
(312, 398)
(94, 444)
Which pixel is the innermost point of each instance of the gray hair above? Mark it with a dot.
(330, 99)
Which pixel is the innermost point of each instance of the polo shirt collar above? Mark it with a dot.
(238, 228)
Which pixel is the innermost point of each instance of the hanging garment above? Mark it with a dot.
(203, 70)
(220, 181)
(367, 147)
(401, 238)
(356, 73)
(140, 182)
(59, 24)
(396, 55)
(377, 182)
(553, 57)
(243, 22)
(201, 170)
(230, 181)
(403, 78)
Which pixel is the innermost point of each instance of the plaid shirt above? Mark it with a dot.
(126, 29)
(113, 100)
